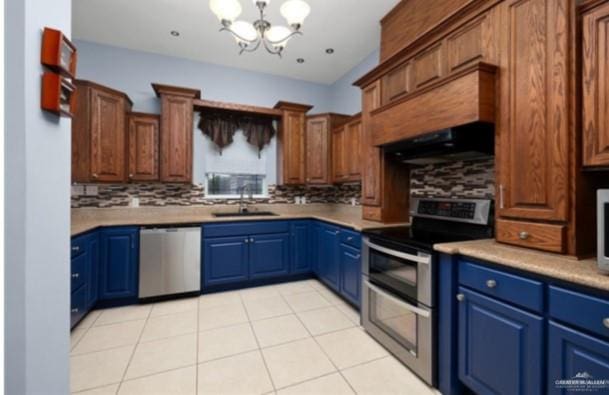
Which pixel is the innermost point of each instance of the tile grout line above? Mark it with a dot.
(85, 329)
(268, 371)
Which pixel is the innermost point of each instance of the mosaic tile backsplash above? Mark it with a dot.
(465, 180)
(119, 195)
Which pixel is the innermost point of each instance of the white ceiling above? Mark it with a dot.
(351, 27)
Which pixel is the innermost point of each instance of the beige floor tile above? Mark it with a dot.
(160, 355)
(315, 284)
(175, 382)
(76, 335)
(106, 390)
(220, 316)
(241, 374)
(333, 384)
(219, 299)
(222, 342)
(279, 330)
(170, 325)
(385, 376)
(296, 362)
(350, 347)
(109, 336)
(260, 309)
(350, 312)
(98, 368)
(89, 320)
(174, 306)
(122, 314)
(255, 293)
(295, 287)
(330, 296)
(325, 320)
(306, 301)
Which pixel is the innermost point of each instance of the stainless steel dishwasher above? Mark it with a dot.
(170, 260)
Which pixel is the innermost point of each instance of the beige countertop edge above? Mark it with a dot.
(568, 269)
(82, 226)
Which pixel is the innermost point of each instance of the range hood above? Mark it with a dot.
(466, 142)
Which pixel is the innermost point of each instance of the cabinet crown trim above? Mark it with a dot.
(161, 89)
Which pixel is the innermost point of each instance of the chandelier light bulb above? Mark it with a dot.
(278, 36)
(245, 32)
(226, 10)
(295, 12)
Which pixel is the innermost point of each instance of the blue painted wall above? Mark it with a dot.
(37, 210)
(346, 98)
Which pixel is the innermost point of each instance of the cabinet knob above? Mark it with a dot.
(491, 283)
(606, 322)
(350, 238)
(75, 275)
(94, 175)
(460, 297)
(251, 239)
(75, 310)
(247, 240)
(523, 235)
(76, 248)
(130, 175)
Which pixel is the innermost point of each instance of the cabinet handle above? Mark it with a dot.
(460, 297)
(76, 248)
(75, 310)
(75, 275)
(501, 202)
(247, 240)
(491, 283)
(350, 238)
(606, 322)
(523, 235)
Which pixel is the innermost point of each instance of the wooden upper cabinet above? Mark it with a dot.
(595, 68)
(143, 147)
(370, 155)
(353, 139)
(99, 134)
(176, 132)
(291, 142)
(319, 167)
(535, 121)
(339, 154)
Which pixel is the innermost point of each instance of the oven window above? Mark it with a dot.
(395, 320)
(397, 274)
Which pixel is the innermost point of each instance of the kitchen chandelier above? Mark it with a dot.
(250, 36)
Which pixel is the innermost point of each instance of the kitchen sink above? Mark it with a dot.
(246, 214)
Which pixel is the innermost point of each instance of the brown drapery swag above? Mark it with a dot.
(221, 127)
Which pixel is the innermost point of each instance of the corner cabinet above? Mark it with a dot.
(595, 69)
(291, 143)
(176, 132)
(99, 134)
(119, 263)
(143, 147)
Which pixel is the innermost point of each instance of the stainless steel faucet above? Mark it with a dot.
(242, 204)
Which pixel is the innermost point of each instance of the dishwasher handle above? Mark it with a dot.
(169, 229)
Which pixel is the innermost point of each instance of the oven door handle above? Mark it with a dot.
(408, 306)
(425, 259)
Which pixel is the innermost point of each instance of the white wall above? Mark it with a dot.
(37, 210)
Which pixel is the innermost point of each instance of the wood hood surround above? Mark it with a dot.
(467, 96)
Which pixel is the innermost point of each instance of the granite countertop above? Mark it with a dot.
(583, 272)
(84, 219)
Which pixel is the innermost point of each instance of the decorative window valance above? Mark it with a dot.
(220, 127)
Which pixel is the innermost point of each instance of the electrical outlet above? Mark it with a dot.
(91, 190)
(134, 201)
(303, 200)
(353, 201)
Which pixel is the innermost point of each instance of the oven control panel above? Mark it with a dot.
(475, 211)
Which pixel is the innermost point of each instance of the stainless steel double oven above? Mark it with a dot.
(398, 302)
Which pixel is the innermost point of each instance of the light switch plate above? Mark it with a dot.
(91, 190)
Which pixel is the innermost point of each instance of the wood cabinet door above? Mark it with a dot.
(176, 138)
(318, 151)
(595, 67)
(370, 155)
(293, 148)
(143, 147)
(353, 149)
(339, 154)
(108, 137)
(534, 124)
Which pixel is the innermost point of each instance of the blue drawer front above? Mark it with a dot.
(79, 271)
(78, 245)
(572, 353)
(245, 228)
(583, 311)
(78, 305)
(351, 238)
(511, 288)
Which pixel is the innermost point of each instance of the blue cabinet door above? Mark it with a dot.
(328, 256)
(119, 263)
(350, 274)
(575, 355)
(225, 260)
(269, 255)
(500, 347)
(300, 247)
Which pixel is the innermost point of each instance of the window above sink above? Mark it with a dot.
(227, 185)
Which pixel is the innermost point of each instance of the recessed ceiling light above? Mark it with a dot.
(175, 33)
(300, 60)
(330, 51)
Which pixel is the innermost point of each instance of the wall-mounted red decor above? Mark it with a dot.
(57, 94)
(58, 53)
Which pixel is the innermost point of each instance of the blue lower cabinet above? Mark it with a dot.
(328, 258)
(93, 270)
(225, 260)
(350, 274)
(269, 255)
(300, 233)
(119, 263)
(575, 355)
(78, 305)
(500, 347)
